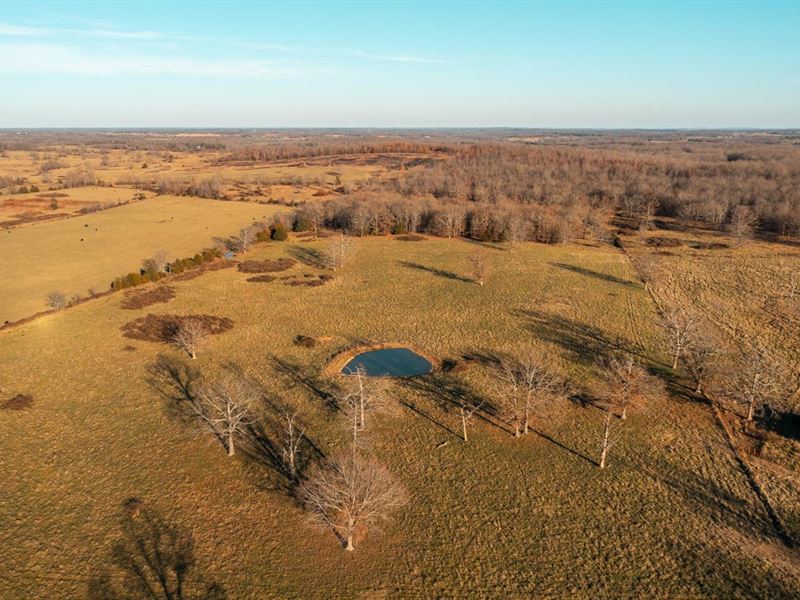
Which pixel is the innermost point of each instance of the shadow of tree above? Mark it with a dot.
(175, 380)
(595, 274)
(586, 343)
(304, 377)
(265, 447)
(308, 256)
(153, 559)
(451, 393)
(436, 272)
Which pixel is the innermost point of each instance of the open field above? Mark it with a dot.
(290, 180)
(747, 293)
(88, 251)
(672, 516)
(19, 209)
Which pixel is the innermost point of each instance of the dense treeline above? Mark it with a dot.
(367, 213)
(207, 187)
(722, 180)
(314, 149)
(556, 183)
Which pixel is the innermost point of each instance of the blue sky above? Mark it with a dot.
(400, 64)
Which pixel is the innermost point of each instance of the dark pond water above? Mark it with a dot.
(394, 362)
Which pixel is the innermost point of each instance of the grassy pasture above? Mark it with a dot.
(69, 201)
(672, 516)
(744, 293)
(73, 255)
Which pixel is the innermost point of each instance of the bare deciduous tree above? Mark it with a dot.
(628, 386)
(339, 252)
(680, 327)
(190, 335)
(743, 224)
(315, 217)
(292, 440)
(540, 384)
(226, 407)
(480, 266)
(509, 389)
(351, 493)
(700, 359)
(524, 386)
(467, 407)
(247, 236)
(450, 221)
(756, 380)
(647, 268)
(363, 395)
(156, 263)
(56, 300)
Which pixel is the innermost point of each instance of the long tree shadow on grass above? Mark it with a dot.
(595, 274)
(304, 377)
(450, 394)
(308, 256)
(154, 559)
(713, 499)
(584, 342)
(434, 271)
(266, 446)
(175, 380)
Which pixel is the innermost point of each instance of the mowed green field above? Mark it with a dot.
(73, 255)
(672, 516)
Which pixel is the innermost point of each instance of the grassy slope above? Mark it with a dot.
(37, 259)
(743, 290)
(673, 515)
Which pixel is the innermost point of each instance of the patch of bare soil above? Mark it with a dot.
(309, 235)
(308, 280)
(213, 266)
(162, 328)
(305, 341)
(31, 218)
(662, 242)
(261, 279)
(709, 245)
(267, 266)
(411, 237)
(18, 402)
(134, 300)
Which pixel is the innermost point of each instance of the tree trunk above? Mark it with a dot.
(624, 414)
(230, 446)
(606, 433)
(350, 529)
(463, 425)
(751, 410)
(193, 354)
(675, 360)
(525, 421)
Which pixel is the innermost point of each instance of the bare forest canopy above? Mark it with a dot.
(561, 180)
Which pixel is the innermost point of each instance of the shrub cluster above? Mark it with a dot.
(149, 274)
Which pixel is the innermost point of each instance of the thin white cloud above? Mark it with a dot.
(36, 58)
(8, 29)
(104, 31)
(11, 30)
(401, 58)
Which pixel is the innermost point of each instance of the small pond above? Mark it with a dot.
(392, 362)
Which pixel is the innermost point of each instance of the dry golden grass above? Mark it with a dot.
(89, 251)
(743, 293)
(673, 516)
(68, 202)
